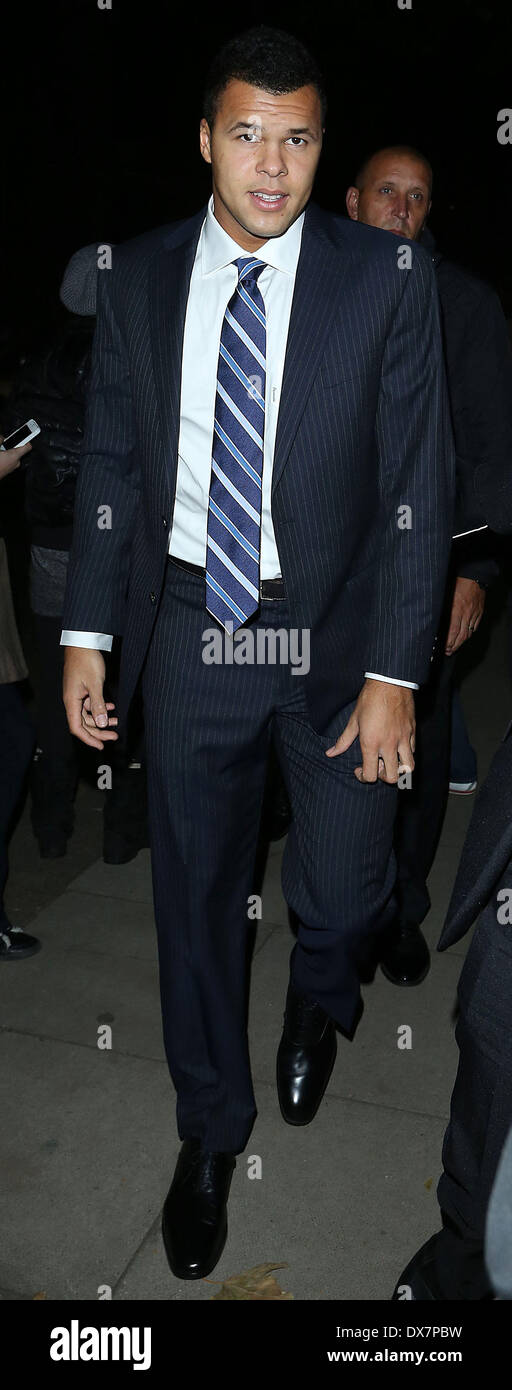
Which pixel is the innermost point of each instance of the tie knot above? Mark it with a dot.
(248, 268)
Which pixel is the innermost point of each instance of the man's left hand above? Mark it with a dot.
(384, 719)
(467, 607)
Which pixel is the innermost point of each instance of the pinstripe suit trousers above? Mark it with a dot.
(208, 728)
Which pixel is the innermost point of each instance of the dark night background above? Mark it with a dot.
(101, 111)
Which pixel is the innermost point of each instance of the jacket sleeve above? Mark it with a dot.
(416, 485)
(108, 486)
(474, 557)
(483, 572)
(489, 407)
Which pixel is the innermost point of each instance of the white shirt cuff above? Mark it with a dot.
(390, 680)
(98, 641)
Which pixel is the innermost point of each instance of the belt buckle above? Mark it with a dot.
(272, 598)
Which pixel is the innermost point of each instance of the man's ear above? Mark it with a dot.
(352, 202)
(205, 140)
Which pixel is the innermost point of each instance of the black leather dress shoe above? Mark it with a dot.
(194, 1221)
(305, 1058)
(405, 957)
(418, 1280)
(16, 944)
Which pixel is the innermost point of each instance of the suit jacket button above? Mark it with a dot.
(164, 519)
(152, 597)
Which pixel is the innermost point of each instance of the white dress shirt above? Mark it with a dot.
(212, 283)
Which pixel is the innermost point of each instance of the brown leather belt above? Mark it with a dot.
(269, 588)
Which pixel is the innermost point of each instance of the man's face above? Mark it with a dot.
(262, 144)
(395, 196)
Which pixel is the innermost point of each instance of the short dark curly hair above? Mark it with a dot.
(267, 58)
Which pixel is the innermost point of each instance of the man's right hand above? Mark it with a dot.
(10, 459)
(87, 713)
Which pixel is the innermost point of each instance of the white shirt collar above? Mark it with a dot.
(219, 249)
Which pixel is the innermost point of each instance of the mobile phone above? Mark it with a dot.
(21, 435)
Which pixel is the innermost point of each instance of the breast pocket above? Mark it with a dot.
(331, 378)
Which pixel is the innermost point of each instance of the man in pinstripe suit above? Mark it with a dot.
(267, 436)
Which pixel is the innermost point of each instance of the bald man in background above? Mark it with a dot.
(393, 191)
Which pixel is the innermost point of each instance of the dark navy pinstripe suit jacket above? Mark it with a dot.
(363, 430)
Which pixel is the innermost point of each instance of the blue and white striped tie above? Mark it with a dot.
(234, 508)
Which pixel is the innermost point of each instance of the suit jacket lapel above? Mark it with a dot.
(319, 284)
(169, 281)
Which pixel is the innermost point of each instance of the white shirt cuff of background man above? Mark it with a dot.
(390, 680)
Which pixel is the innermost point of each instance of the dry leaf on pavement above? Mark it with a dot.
(255, 1283)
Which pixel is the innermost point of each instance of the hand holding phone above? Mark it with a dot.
(15, 445)
(10, 459)
(21, 436)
